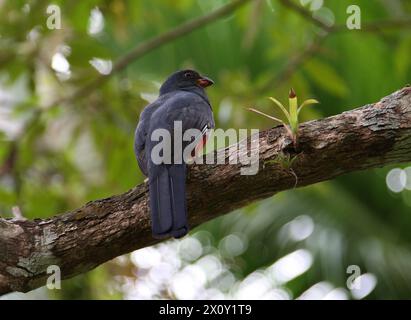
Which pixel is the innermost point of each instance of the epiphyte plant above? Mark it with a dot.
(291, 116)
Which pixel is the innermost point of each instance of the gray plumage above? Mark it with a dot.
(182, 98)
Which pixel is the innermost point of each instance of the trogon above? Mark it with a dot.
(182, 99)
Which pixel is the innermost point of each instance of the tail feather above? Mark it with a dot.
(177, 173)
(168, 201)
(160, 204)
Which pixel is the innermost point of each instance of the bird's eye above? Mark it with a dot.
(188, 75)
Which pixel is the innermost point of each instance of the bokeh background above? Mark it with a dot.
(57, 153)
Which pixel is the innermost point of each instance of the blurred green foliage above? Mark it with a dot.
(83, 149)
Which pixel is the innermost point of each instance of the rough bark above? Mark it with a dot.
(372, 136)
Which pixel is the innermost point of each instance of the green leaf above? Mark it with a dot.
(326, 77)
(402, 56)
(306, 103)
(279, 104)
(84, 48)
(266, 115)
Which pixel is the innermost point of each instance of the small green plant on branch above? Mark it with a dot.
(292, 115)
(285, 161)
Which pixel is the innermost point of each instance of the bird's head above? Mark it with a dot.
(185, 79)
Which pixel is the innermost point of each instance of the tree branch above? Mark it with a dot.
(306, 14)
(154, 43)
(372, 136)
(134, 54)
(300, 57)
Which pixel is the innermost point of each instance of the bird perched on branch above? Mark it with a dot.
(182, 104)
